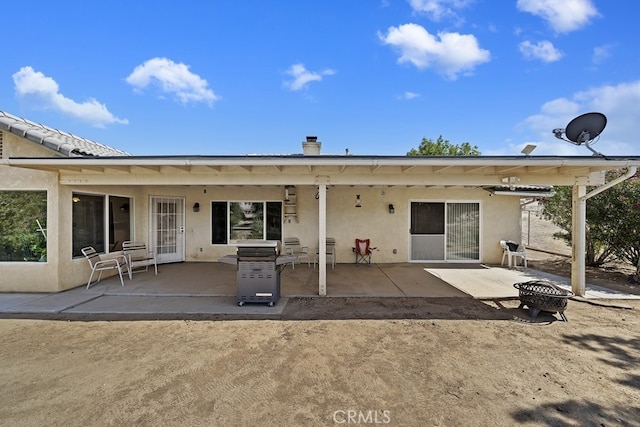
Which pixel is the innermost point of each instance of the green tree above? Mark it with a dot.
(442, 147)
(613, 223)
(19, 236)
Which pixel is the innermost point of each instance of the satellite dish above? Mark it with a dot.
(583, 130)
(586, 127)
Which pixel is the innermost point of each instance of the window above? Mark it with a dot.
(91, 229)
(232, 221)
(23, 219)
(427, 218)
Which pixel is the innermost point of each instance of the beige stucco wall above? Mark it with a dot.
(500, 218)
(388, 232)
(31, 276)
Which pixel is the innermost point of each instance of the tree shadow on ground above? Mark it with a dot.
(621, 353)
(579, 413)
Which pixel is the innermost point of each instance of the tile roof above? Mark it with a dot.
(64, 143)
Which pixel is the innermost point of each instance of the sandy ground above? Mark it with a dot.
(404, 362)
(346, 361)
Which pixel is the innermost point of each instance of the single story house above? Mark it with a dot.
(193, 208)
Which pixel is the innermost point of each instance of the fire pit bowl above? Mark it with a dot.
(540, 295)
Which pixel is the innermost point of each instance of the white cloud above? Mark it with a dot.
(617, 102)
(301, 77)
(563, 16)
(451, 54)
(438, 10)
(601, 54)
(544, 51)
(34, 85)
(172, 78)
(410, 95)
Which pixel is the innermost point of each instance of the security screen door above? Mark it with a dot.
(445, 231)
(167, 228)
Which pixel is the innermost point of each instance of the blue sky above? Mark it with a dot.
(374, 77)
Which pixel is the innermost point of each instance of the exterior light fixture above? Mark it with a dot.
(358, 204)
(392, 210)
(196, 207)
(75, 199)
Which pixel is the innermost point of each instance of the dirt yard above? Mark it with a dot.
(330, 361)
(404, 362)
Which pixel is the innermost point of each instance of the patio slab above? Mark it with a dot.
(484, 282)
(173, 305)
(42, 303)
(210, 289)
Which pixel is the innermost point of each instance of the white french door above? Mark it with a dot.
(445, 231)
(167, 228)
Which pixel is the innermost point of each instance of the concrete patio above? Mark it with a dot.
(210, 289)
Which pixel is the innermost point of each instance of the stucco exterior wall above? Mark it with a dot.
(31, 276)
(14, 146)
(500, 218)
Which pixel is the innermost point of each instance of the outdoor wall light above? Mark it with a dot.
(75, 199)
(196, 207)
(391, 209)
(358, 204)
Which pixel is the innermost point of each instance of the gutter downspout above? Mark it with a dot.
(579, 231)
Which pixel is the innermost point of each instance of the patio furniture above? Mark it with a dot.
(331, 252)
(513, 251)
(542, 295)
(99, 264)
(363, 251)
(293, 247)
(138, 256)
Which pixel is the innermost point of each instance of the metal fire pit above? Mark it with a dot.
(540, 295)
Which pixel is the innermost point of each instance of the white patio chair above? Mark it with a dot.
(513, 251)
(331, 253)
(99, 264)
(138, 256)
(293, 247)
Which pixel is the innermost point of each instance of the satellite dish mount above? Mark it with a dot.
(583, 129)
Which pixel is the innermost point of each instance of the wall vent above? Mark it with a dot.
(1, 135)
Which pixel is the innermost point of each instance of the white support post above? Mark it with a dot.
(322, 239)
(578, 233)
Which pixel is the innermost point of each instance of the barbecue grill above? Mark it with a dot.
(259, 265)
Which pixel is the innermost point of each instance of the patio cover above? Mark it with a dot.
(325, 170)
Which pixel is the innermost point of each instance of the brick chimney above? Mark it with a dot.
(311, 147)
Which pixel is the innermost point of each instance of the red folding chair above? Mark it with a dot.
(363, 251)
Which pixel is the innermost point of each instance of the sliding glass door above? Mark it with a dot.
(445, 231)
